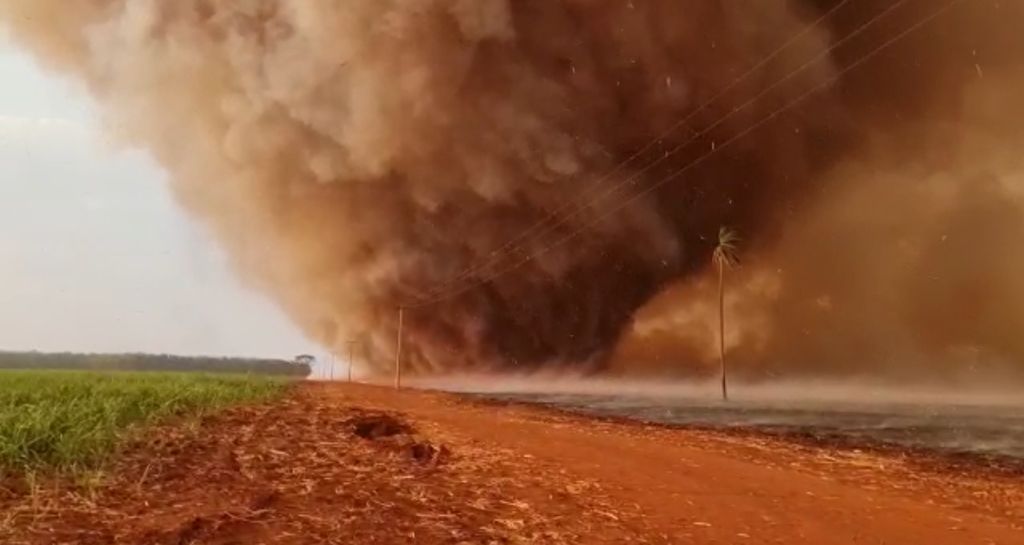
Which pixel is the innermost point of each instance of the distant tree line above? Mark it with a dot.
(149, 362)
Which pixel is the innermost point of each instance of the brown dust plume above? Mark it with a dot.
(353, 154)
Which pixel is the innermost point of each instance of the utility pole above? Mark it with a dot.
(332, 366)
(351, 355)
(398, 349)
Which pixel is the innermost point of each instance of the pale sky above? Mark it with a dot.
(95, 255)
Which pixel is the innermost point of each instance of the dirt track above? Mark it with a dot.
(295, 473)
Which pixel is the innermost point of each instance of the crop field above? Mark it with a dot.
(68, 421)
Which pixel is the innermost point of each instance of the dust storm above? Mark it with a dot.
(355, 156)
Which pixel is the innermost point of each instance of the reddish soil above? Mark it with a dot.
(358, 464)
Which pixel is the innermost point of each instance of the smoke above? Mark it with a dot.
(903, 259)
(351, 154)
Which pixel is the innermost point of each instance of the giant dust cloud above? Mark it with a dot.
(356, 155)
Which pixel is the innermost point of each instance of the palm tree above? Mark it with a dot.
(724, 257)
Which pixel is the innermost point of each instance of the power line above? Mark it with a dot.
(540, 225)
(830, 81)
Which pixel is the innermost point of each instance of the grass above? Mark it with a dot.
(71, 421)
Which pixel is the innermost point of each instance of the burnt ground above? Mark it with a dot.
(356, 464)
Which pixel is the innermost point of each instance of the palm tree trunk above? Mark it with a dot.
(721, 327)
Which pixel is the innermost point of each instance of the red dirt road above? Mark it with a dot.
(474, 473)
(699, 487)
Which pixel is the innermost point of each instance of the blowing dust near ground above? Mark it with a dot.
(354, 156)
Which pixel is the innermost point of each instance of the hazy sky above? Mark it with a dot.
(94, 253)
